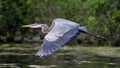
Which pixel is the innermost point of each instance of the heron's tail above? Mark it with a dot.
(83, 29)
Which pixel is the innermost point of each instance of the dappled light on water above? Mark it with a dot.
(66, 57)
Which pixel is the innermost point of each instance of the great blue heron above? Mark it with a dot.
(59, 33)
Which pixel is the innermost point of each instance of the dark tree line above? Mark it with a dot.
(100, 16)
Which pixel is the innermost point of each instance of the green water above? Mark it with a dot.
(79, 57)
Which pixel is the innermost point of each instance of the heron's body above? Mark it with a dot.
(61, 27)
(60, 32)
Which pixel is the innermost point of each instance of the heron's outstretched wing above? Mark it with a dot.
(60, 34)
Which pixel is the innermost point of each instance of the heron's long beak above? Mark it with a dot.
(27, 26)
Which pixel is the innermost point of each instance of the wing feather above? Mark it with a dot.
(60, 34)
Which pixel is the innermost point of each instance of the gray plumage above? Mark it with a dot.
(60, 32)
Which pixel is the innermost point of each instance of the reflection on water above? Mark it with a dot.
(61, 59)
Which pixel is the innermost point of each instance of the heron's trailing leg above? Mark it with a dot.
(98, 36)
(83, 29)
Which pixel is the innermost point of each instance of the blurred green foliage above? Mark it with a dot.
(100, 16)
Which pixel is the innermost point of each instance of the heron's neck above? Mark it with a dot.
(45, 28)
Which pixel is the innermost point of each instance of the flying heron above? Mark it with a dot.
(59, 33)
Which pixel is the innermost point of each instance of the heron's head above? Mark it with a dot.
(36, 25)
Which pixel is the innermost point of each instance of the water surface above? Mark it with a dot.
(66, 57)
